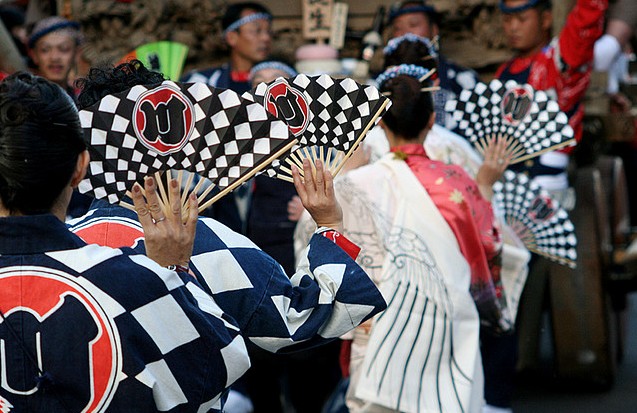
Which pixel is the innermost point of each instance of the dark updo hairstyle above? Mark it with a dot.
(410, 109)
(411, 52)
(103, 81)
(40, 140)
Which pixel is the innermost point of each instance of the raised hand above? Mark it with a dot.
(168, 237)
(316, 191)
(496, 160)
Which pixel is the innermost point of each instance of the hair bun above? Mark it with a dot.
(12, 114)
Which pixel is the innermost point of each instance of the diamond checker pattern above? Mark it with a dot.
(231, 137)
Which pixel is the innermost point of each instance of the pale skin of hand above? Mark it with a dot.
(295, 208)
(496, 161)
(169, 238)
(317, 195)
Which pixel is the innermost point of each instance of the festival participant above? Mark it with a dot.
(82, 327)
(247, 31)
(429, 242)
(328, 295)
(416, 17)
(53, 45)
(305, 379)
(275, 205)
(561, 67)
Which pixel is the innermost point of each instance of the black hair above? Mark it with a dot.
(411, 108)
(40, 140)
(103, 81)
(233, 12)
(544, 5)
(411, 53)
(433, 17)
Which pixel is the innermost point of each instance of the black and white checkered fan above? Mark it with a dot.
(329, 116)
(538, 220)
(190, 127)
(530, 121)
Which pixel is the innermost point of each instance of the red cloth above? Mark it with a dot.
(346, 245)
(471, 219)
(344, 357)
(563, 68)
(3, 75)
(240, 76)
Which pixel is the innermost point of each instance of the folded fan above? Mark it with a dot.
(165, 56)
(329, 116)
(213, 133)
(538, 220)
(530, 121)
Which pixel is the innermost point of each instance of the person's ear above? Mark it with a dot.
(432, 120)
(547, 20)
(34, 56)
(232, 38)
(80, 168)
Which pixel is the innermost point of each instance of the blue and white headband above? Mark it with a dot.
(414, 71)
(65, 24)
(518, 9)
(272, 64)
(393, 44)
(419, 8)
(247, 19)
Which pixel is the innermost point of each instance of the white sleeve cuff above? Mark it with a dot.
(607, 49)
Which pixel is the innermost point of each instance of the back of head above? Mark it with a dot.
(105, 81)
(40, 140)
(233, 12)
(411, 108)
(410, 49)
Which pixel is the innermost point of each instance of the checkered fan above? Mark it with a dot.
(530, 121)
(186, 127)
(329, 117)
(538, 220)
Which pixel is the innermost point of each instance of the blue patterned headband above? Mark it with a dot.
(247, 19)
(393, 44)
(414, 71)
(518, 9)
(422, 8)
(53, 28)
(272, 64)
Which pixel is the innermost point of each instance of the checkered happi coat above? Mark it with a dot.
(328, 296)
(107, 329)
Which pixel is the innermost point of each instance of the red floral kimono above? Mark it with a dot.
(471, 219)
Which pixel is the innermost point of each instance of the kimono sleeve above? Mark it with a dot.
(584, 25)
(327, 296)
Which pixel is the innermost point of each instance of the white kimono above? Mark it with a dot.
(423, 352)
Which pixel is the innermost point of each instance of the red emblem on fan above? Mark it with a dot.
(516, 104)
(163, 119)
(289, 105)
(542, 208)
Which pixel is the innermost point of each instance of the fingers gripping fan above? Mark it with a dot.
(330, 117)
(187, 127)
(538, 220)
(530, 121)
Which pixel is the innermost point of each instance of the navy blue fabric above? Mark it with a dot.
(116, 288)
